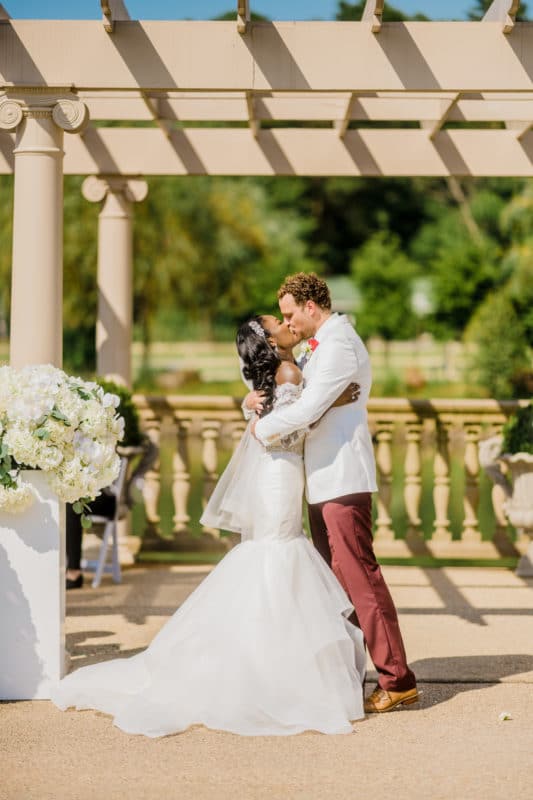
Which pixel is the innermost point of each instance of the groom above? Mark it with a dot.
(340, 475)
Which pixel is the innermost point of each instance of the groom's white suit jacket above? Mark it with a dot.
(339, 457)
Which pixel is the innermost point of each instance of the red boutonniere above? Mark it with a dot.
(310, 347)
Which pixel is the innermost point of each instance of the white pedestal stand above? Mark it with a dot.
(32, 595)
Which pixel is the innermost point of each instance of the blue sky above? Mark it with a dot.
(204, 9)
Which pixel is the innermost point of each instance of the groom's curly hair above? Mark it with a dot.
(306, 286)
(259, 359)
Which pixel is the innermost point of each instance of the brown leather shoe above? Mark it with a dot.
(380, 700)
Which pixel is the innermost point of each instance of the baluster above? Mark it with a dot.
(181, 477)
(441, 491)
(471, 531)
(500, 537)
(413, 481)
(210, 435)
(384, 530)
(237, 431)
(151, 424)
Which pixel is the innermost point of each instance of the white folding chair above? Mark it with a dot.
(110, 532)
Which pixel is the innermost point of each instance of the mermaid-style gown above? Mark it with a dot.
(263, 645)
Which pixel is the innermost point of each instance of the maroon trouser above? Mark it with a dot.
(342, 534)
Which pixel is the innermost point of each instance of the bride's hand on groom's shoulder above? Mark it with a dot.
(254, 401)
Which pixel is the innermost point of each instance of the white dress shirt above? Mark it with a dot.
(339, 457)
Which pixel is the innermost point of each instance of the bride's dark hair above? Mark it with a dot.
(259, 359)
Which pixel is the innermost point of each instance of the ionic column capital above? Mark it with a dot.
(63, 108)
(95, 189)
(11, 114)
(70, 114)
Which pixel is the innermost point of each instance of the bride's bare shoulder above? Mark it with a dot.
(288, 372)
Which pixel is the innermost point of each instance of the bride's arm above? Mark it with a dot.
(335, 371)
(254, 401)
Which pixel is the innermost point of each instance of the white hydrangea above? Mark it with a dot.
(63, 425)
(17, 499)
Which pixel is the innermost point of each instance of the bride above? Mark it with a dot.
(263, 646)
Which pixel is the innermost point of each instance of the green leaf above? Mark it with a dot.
(82, 393)
(77, 507)
(85, 522)
(6, 464)
(42, 433)
(57, 414)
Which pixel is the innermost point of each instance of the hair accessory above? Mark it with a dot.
(256, 327)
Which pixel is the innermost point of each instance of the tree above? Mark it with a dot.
(501, 347)
(79, 278)
(502, 326)
(218, 241)
(345, 212)
(384, 276)
(517, 223)
(6, 233)
(462, 271)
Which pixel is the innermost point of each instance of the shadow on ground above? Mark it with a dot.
(441, 679)
(82, 654)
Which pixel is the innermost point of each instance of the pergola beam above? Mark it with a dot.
(292, 151)
(519, 128)
(341, 125)
(243, 15)
(373, 12)
(309, 106)
(160, 56)
(153, 107)
(503, 11)
(112, 11)
(253, 122)
(435, 125)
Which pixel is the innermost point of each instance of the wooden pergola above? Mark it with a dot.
(237, 98)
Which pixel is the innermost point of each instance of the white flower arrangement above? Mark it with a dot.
(309, 348)
(62, 425)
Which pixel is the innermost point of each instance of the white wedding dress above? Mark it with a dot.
(263, 646)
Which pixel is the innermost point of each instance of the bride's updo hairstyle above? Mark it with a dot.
(259, 359)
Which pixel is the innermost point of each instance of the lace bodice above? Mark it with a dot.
(287, 393)
(284, 395)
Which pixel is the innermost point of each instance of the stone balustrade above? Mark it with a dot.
(418, 445)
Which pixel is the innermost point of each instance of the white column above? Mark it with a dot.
(39, 120)
(115, 294)
(115, 271)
